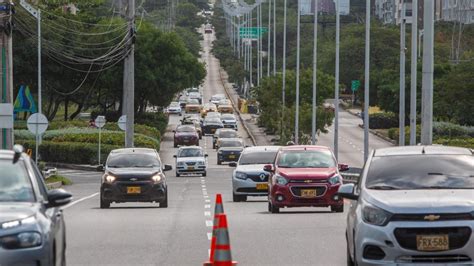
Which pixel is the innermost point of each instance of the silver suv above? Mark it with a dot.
(249, 178)
(412, 205)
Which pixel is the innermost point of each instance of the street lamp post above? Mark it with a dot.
(315, 58)
(413, 75)
(336, 84)
(401, 135)
(297, 101)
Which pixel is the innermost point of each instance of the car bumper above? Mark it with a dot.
(233, 126)
(209, 130)
(384, 238)
(249, 187)
(287, 196)
(174, 111)
(148, 192)
(228, 157)
(191, 170)
(186, 142)
(27, 256)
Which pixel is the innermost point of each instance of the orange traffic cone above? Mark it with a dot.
(222, 254)
(218, 209)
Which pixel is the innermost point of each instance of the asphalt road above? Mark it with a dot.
(143, 234)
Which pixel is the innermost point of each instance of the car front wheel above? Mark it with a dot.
(272, 208)
(104, 204)
(238, 198)
(337, 208)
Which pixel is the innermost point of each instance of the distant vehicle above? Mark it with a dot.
(134, 175)
(229, 150)
(225, 109)
(208, 107)
(192, 108)
(183, 100)
(249, 178)
(32, 227)
(216, 98)
(186, 135)
(191, 90)
(192, 121)
(208, 27)
(191, 160)
(304, 176)
(211, 124)
(412, 204)
(224, 102)
(229, 121)
(213, 115)
(222, 133)
(195, 95)
(174, 108)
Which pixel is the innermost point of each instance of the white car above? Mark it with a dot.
(174, 108)
(229, 121)
(191, 160)
(215, 99)
(412, 205)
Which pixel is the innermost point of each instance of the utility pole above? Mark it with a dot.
(297, 101)
(283, 87)
(129, 76)
(269, 35)
(401, 125)
(258, 45)
(274, 36)
(427, 82)
(367, 80)
(336, 85)
(413, 75)
(315, 60)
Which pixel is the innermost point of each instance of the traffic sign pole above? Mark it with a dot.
(100, 123)
(37, 124)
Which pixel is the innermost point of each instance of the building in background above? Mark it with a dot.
(385, 11)
(458, 10)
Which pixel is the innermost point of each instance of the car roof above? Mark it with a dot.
(233, 139)
(420, 149)
(133, 150)
(190, 147)
(262, 148)
(303, 147)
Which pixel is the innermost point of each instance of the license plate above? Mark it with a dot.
(231, 156)
(432, 242)
(308, 193)
(262, 186)
(213, 130)
(133, 190)
(190, 168)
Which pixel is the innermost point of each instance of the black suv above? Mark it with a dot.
(134, 175)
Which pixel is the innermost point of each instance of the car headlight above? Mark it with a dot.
(374, 215)
(280, 180)
(156, 178)
(336, 179)
(180, 163)
(109, 178)
(240, 175)
(21, 240)
(200, 163)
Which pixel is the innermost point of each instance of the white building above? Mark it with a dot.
(458, 10)
(385, 11)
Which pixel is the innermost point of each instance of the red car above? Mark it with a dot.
(186, 135)
(305, 176)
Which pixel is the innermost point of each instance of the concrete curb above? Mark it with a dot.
(81, 167)
(244, 124)
(54, 185)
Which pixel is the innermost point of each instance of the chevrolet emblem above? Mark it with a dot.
(308, 181)
(431, 217)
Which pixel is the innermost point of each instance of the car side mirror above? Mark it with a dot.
(233, 164)
(175, 156)
(347, 191)
(58, 197)
(206, 155)
(167, 167)
(343, 167)
(174, 131)
(100, 168)
(268, 168)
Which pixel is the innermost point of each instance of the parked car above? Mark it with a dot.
(186, 135)
(32, 227)
(174, 108)
(305, 176)
(211, 124)
(225, 109)
(191, 160)
(216, 98)
(223, 133)
(412, 204)
(229, 121)
(208, 107)
(229, 150)
(134, 175)
(249, 178)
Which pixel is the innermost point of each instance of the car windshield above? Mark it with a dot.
(190, 153)
(231, 143)
(264, 157)
(127, 160)
(227, 117)
(228, 134)
(183, 98)
(217, 97)
(421, 172)
(186, 129)
(212, 120)
(193, 101)
(174, 104)
(306, 159)
(15, 184)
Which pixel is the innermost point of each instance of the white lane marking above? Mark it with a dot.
(203, 186)
(80, 200)
(209, 223)
(206, 196)
(209, 236)
(207, 206)
(207, 213)
(207, 200)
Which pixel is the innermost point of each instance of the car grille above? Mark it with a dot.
(308, 181)
(458, 236)
(434, 259)
(190, 163)
(319, 190)
(256, 177)
(425, 217)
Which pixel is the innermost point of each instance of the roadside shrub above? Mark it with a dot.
(446, 129)
(157, 120)
(466, 142)
(108, 138)
(383, 120)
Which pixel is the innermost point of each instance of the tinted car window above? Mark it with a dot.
(126, 160)
(15, 184)
(306, 159)
(190, 153)
(257, 158)
(186, 129)
(227, 134)
(231, 143)
(421, 172)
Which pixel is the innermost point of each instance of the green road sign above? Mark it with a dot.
(355, 84)
(252, 32)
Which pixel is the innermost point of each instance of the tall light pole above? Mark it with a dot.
(297, 101)
(336, 84)
(283, 87)
(274, 36)
(129, 78)
(427, 87)
(315, 78)
(401, 125)
(367, 80)
(413, 75)
(258, 45)
(269, 36)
